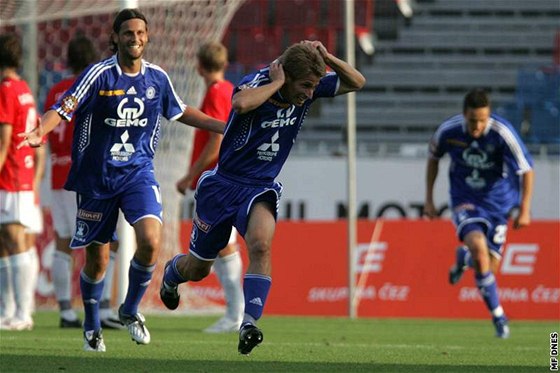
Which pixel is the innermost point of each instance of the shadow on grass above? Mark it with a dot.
(105, 363)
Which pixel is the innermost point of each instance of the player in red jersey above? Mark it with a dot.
(80, 54)
(17, 196)
(212, 63)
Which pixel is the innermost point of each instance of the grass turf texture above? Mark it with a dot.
(291, 344)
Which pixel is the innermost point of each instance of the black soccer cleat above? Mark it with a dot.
(169, 297)
(112, 323)
(249, 337)
(65, 323)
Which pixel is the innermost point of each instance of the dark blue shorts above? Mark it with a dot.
(468, 217)
(221, 203)
(96, 219)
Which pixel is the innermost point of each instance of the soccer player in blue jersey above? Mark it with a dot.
(268, 109)
(118, 104)
(487, 160)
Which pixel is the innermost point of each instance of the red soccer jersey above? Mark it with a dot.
(217, 104)
(60, 139)
(17, 109)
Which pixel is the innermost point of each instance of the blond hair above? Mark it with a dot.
(213, 56)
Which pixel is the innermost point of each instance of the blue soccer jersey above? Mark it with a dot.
(482, 170)
(117, 119)
(256, 144)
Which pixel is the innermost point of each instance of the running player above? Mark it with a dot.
(80, 54)
(485, 153)
(212, 63)
(269, 107)
(118, 104)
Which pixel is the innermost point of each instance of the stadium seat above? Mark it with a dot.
(545, 123)
(513, 114)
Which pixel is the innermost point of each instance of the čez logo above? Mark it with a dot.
(520, 259)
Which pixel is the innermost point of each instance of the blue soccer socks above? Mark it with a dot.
(171, 276)
(486, 283)
(139, 277)
(255, 289)
(463, 257)
(91, 295)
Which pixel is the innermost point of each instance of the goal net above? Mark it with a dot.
(177, 28)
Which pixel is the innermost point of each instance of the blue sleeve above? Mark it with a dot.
(172, 105)
(253, 80)
(516, 155)
(78, 94)
(436, 148)
(327, 86)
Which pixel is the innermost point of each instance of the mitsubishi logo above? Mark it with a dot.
(273, 146)
(121, 151)
(127, 147)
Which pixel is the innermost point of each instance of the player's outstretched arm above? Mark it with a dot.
(208, 155)
(34, 138)
(350, 79)
(196, 118)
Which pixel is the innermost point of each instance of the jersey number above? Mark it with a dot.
(500, 234)
(157, 193)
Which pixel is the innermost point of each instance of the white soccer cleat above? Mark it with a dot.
(93, 341)
(17, 324)
(136, 327)
(224, 325)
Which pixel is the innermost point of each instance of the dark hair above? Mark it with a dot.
(300, 60)
(476, 99)
(10, 51)
(80, 54)
(123, 16)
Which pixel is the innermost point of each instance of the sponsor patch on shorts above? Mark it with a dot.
(90, 215)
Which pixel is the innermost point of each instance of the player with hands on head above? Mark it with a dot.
(491, 173)
(118, 104)
(268, 110)
(212, 61)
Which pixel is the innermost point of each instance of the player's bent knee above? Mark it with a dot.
(259, 250)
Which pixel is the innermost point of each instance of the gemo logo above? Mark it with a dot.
(282, 119)
(476, 158)
(520, 259)
(129, 116)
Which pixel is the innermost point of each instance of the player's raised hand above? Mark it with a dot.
(320, 47)
(33, 138)
(276, 72)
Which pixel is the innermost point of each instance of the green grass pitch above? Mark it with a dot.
(291, 344)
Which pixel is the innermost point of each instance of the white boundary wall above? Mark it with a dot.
(319, 186)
